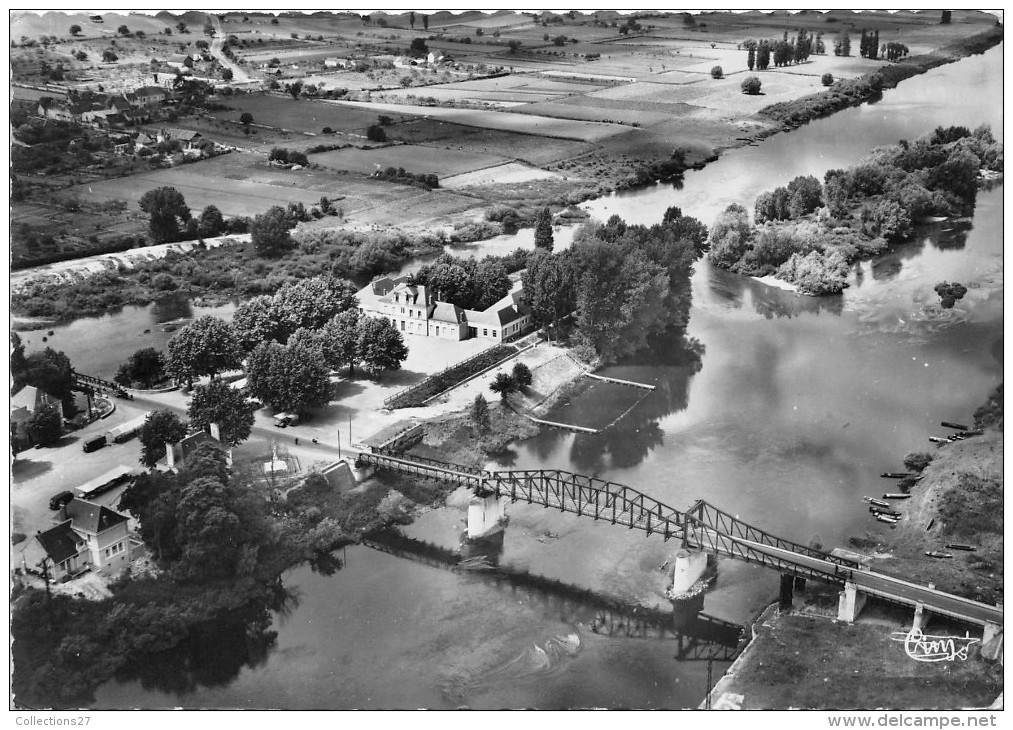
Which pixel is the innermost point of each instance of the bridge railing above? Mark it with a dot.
(722, 522)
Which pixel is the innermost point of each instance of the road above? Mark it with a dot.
(892, 588)
(239, 76)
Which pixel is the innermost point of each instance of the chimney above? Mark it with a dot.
(216, 432)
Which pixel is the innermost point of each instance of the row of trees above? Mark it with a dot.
(783, 52)
(468, 283)
(170, 219)
(623, 284)
(50, 371)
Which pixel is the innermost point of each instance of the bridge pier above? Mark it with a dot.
(921, 617)
(690, 565)
(992, 642)
(360, 472)
(850, 603)
(485, 515)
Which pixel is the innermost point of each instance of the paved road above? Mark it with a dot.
(893, 588)
(239, 76)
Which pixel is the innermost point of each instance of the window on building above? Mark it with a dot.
(402, 325)
(402, 310)
(485, 333)
(437, 331)
(494, 333)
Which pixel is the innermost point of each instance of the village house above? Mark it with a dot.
(24, 404)
(146, 96)
(89, 536)
(413, 310)
(189, 139)
(177, 453)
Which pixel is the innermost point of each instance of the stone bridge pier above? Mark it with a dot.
(690, 566)
(486, 514)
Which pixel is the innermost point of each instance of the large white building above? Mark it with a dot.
(414, 311)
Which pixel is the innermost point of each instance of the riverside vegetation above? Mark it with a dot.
(808, 233)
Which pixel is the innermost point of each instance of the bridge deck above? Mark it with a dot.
(703, 526)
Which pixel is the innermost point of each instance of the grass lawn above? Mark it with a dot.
(300, 116)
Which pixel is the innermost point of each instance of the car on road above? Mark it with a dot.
(59, 499)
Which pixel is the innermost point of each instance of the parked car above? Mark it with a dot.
(94, 444)
(59, 499)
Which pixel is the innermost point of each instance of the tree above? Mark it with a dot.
(45, 426)
(341, 340)
(514, 45)
(490, 284)
(425, 21)
(543, 230)
(717, 72)
(418, 48)
(480, 415)
(246, 119)
(804, 196)
(160, 427)
(751, 58)
(521, 375)
(181, 27)
(295, 88)
(827, 79)
(311, 303)
(292, 378)
(206, 346)
(751, 85)
(730, 236)
(270, 232)
(75, 29)
(208, 531)
(950, 293)
(257, 320)
(380, 346)
(411, 19)
(227, 74)
(503, 384)
(945, 17)
(762, 56)
(376, 133)
(166, 209)
(549, 286)
(145, 367)
(50, 371)
(123, 30)
(211, 222)
(109, 56)
(220, 403)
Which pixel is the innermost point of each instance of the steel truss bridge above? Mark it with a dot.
(703, 527)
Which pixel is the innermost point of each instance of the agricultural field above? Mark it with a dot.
(505, 174)
(283, 112)
(413, 158)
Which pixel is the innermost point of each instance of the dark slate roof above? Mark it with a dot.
(59, 542)
(189, 444)
(90, 517)
(385, 285)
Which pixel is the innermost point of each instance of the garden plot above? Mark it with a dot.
(505, 121)
(300, 116)
(413, 158)
(728, 99)
(596, 110)
(434, 133)
(509, 173)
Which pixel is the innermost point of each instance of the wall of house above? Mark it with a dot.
(108, 540)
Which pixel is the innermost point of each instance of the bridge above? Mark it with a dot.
(702, 529)
(90, 382)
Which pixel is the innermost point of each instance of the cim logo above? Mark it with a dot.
(924, 648)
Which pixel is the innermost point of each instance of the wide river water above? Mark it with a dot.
(785, 415)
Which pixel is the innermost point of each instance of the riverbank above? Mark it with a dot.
(806, 658)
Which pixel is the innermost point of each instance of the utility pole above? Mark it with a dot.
(710, 680)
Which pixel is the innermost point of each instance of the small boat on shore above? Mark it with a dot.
(895, 474)
(938, 554)
(960, 546)
(896, 495)
(876, 502)
(887, 519)
(955, 426)
(884, 511)
(939, 440)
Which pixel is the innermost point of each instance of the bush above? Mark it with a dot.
(376, 133)
(717, 73)
(950, 293)
(917, 460)
(816, 273)
(827, 79)
(751, 85)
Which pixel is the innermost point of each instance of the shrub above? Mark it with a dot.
(376, 133)
(751, 85)
(950, 293)
(917, 460)
(827, 79)
(816, 273)
(717, 73)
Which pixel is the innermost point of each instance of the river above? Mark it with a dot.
(785, 415)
